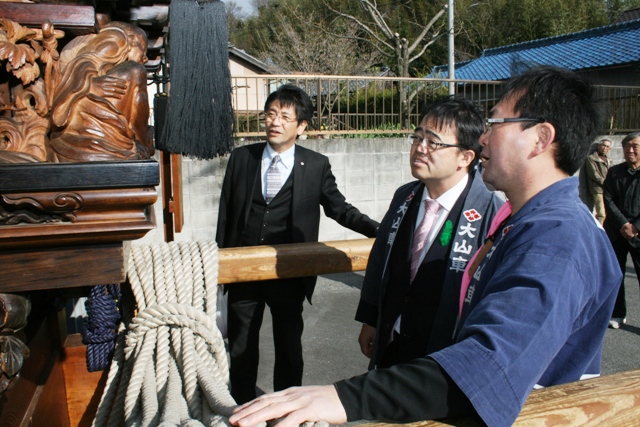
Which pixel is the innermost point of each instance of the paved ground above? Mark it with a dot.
(331, 351)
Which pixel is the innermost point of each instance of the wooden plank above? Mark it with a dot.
(612, 401)
(84, 388)
(292, 260)
(61, 267)
(62, 16)
(27, 177)
(50, 411)
(176, 206)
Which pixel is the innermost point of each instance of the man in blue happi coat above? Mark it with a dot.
(536, 299)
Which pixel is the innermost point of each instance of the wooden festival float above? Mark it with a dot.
(77, 185)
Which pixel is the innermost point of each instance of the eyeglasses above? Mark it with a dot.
(427, 143)
(633, 147)
(493, 121)
(270, 116)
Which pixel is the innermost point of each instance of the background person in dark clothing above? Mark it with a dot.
(271, 194)
(622, 204)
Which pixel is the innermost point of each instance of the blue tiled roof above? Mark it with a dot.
(611, 45)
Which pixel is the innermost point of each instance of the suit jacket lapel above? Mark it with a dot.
(252, 168)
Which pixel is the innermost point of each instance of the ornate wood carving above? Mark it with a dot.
(63, 225)
(87, 102)
(76, 203)
(14, 310)
(66, 208)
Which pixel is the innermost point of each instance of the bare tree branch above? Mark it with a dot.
(427, 28)
(388, 42)
(377, 18)
(361, 25)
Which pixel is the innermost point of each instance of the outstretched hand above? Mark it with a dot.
(294, 405)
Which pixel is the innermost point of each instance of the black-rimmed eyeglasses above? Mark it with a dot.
(427, 143)
(497, 120)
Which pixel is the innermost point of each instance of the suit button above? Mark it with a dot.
(267, 211)
(406, 299)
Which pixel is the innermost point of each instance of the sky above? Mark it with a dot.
(246, 6)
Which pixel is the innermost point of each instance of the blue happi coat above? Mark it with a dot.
(537, 307)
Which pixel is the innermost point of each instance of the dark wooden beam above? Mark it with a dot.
(62, 16)
(62, 267)
(26, 177)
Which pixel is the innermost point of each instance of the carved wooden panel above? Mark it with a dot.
(86, 102)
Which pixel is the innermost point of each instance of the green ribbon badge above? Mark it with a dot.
(446, 233)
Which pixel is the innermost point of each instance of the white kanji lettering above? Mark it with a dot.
(493, 248)
(476, 276)
(392, 237)
(467, 229)
(462, 248)
(470, 292)
(458, 264)
(403, 208)
(396, 223)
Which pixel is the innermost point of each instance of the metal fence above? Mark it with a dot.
(371, 106)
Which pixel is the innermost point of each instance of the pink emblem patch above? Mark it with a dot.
(472, 215)
(506, 230)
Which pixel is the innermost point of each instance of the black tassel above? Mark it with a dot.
(199, 119)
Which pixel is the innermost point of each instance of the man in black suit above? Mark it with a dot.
(271, 194)
(409, 300)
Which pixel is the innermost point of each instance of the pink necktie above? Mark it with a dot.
(421, 233)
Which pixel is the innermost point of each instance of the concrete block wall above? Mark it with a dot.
(367, 171)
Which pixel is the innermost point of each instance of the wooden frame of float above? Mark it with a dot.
(65, 226)
(610, 400)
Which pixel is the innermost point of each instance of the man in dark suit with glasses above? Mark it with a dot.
(272, 194)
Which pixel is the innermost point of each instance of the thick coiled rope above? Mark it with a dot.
(170, 365)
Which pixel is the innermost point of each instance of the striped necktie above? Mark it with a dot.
(274, 179)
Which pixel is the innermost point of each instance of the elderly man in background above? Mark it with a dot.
(622, 202)
(596, 167)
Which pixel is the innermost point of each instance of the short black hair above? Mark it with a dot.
(565, 100)
(627, 139)
(461, 115)
(289, 95)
